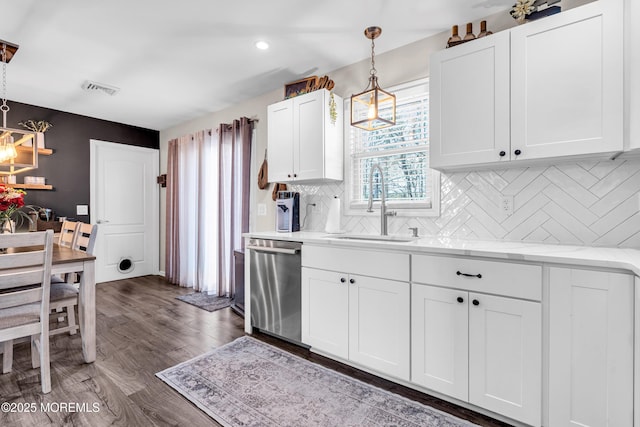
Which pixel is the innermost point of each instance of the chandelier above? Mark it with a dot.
(18, 148)
(374, 108)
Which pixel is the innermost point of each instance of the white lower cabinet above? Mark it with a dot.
(325, 311)
(505, 356)
(475, 346)
(479, 348)
(590, 348)
(440, 340)
(357, 318)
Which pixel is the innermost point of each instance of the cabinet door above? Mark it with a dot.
(439, 340)
(308, 149)
(505, 356)
(591, 348)
(469, 103)
(379, 325)
(633, 72)
(567, 83)
(280, 141)
(325, 305)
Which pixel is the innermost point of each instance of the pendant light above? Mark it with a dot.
(374, 108)
(15, 154)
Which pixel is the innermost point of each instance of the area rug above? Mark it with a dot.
(205, 302)
(251, 383)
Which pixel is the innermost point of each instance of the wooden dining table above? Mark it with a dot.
(67, 260)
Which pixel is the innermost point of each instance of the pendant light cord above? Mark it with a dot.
(4, 107)
(373, 59)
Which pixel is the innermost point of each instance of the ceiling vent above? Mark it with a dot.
(90, 86)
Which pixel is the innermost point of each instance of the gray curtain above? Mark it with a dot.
(207, 206)
(235, 168)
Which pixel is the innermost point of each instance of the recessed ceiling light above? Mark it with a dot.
(262, 45)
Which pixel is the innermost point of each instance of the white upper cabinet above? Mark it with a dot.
(469, 103)
(563, 75)
(305, 135)
(633, 71)
(567, 83)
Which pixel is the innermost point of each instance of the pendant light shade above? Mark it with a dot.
(374, 108)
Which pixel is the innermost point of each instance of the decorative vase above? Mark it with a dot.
(7, 226)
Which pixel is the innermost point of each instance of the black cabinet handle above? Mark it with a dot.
(352, 281)
(342, 280)
(517, 152)
(460, 300)
(479, 276)
(502, 154)
(476, 302)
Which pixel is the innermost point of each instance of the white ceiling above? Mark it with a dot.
(178, 60)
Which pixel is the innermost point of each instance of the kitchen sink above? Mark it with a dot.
(374, 238)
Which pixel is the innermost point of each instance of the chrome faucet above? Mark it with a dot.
(383, 203)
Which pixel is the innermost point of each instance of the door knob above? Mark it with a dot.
(460, 300)
(102, 221)
(502, 154)
(517, 152)
(476, 302)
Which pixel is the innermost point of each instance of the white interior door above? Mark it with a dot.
(124, 204)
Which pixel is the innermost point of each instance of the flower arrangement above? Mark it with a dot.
(11, 200)
(36, 126)
(522, 9)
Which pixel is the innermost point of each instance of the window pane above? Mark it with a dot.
(400, 150)
(405, 177)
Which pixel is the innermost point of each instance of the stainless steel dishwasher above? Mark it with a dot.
(275, 274)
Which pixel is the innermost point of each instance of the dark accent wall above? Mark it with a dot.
(67, 169)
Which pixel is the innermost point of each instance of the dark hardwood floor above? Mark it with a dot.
(142, 329)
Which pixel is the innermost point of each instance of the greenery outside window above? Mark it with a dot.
(403, 153)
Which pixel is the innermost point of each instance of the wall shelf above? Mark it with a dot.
(30, 186)
(41, 151)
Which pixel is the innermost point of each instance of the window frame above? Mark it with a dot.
(403, 208)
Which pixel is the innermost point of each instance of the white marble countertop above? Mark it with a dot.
(624, 259)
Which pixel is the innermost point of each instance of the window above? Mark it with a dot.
(402, 151)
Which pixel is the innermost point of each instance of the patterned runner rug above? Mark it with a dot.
(205, 302)
(251, 383)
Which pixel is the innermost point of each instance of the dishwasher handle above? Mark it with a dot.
(268, 249)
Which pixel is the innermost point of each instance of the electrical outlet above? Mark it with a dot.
(262, 209)
(507, 205)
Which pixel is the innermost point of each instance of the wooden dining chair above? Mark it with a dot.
(64, 294)
(25, 277)
(67, 234)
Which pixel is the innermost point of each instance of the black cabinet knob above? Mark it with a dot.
(460, 300)
(517, 152)
(295, 175)
(288, 175)
(352, 281)
(476, 302)
(502, 154)
(342, 280)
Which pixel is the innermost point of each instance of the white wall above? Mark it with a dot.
(398, 66)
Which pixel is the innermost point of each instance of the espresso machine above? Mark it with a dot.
(288, 211)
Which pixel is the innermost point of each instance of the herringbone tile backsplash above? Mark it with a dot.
(586, 203)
